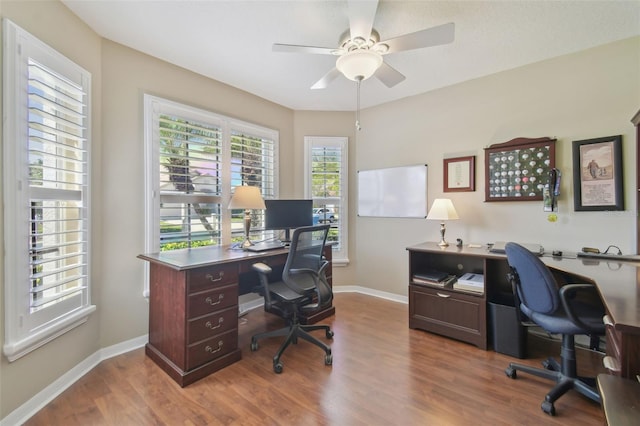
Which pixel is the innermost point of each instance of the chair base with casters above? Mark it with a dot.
(295, 331)
(564, 374)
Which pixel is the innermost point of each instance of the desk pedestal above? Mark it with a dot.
(193, 307)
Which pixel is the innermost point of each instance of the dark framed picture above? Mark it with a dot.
(459, 174)
(518, 170)
(597, 174)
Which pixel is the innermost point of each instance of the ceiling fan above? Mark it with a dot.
(360, 49)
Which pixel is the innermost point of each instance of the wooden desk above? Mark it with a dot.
(193, 306)
(617, 282)
(620, 400)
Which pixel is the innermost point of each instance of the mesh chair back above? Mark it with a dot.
(305, 265)
(537, 289)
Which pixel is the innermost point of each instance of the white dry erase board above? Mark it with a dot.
(393, 192)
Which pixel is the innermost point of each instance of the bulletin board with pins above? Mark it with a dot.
(518, 170)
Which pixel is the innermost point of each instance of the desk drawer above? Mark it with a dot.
(211, 301)
(207, 350)
(450, 313)
(214, 276)
(205, 327)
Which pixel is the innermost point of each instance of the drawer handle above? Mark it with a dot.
(213, 351)
(214, 280)
(212, 303)
(209, 325)
(607, 321)
(445, 296)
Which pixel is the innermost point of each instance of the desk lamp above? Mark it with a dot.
(247, 198)
(442, 209)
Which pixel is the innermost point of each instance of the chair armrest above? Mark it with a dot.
(261, 268)
(569, 292)
(263, 271)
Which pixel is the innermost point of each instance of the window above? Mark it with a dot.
(46, 193)
(326, 183)
(194, 159)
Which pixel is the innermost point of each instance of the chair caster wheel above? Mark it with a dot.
(328, 359)
(547, 365)
(254, 346)
(277, 367)
(510, 372)
(329, 334)
(548, 408)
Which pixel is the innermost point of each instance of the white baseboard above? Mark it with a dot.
(371, 292)
(42, 398)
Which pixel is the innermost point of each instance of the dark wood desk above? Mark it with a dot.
(464, 317)
(620, 400)
(193, 306)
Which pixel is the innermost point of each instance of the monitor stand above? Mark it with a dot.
(286, 241)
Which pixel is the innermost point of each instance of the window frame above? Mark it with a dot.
(27, 329)
(155, 106)
(340, 252)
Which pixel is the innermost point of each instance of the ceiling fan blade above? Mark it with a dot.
(389, 75)
(326, 79)
(442, 34)
(361, 16)
(293, 48)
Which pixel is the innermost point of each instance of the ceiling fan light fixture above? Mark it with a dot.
(359, 64)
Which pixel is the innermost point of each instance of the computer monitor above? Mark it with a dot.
(288, 214)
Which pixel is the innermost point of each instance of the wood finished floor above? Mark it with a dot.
(383, 373)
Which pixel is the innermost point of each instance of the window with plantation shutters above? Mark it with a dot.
(194, 160)
(46, 179)
(190, 157)
(326, 183)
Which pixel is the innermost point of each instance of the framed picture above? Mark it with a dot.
(518, 170)
(597, 174)
(459, 174)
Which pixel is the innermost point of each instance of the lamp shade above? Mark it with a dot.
(247, 197)
(359, 64)
(442, 209)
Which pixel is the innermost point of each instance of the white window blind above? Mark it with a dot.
(252, 164)
(326, 183)
(58, 234)
(46, 192)
(190, 183)
(194, 159)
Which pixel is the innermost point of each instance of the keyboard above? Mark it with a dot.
(266, 245)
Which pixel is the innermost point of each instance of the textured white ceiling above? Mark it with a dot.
(230, 41)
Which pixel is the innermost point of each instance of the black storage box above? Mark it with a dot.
(508, 335)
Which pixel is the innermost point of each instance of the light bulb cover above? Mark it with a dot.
(359, 64)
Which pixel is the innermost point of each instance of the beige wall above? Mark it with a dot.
(589, 94)
(314, 123)
(127, 76)
(23, 378)
(586, 95)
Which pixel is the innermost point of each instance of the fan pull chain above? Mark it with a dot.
(359, 80)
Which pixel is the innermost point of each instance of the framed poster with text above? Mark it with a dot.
(597, 174)
(459, 174)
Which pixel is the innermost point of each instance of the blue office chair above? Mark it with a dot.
(569, 310)
(303, 289)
